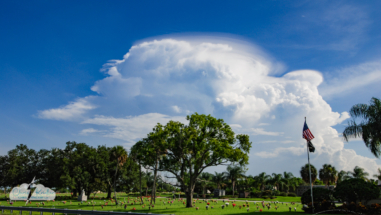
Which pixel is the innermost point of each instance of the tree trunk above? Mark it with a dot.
(147, 191)
(140, 172)
(108, 192)
(233, 187)
(189, 196)
(153, 196)
(116, 171)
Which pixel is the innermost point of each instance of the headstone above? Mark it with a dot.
(243, 194)
(218, 193)
(82, 197)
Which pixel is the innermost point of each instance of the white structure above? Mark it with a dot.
(40, 193)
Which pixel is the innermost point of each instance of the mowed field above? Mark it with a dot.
(165, 205)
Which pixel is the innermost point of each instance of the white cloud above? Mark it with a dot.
(89, 131)
(347, 80)
(157, 80)
(131, 128)
(69, 112)
(261, 131)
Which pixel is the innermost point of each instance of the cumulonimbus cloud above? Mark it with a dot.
(163, 80)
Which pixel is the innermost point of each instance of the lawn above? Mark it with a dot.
(169, 206)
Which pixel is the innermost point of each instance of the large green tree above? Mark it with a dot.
(359, 173)
(218, 179)
(370, 126)
(305, 173)
(233, 173)
(342, 175)
(288, 180)
(276, 180)
(149, 150)
(262, 179)
(328, 174)
(204, 142)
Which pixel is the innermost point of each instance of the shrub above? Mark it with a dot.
(256, 194)
(267, 193)
(282, 194)
(292, 194)
(319, 194)
(322, 200)
(353, 190)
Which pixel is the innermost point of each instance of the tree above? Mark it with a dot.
(356, 189)
(204, 142)
(218, 179)
(119, 156)
(378, 176)
(205, 179)
(234, 172)
(342, 175)
(328, 174)
(150, 151)
(359, 173)
(305, 173)
(288, 180)
(78, 162)
(370, 126)
(277, 180)
(262, 179)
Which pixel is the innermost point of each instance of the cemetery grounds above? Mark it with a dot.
(166, 205)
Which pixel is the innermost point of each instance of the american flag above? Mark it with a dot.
(307, 133)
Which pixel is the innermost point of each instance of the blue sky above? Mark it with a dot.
(55, 90)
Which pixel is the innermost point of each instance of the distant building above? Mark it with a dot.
(301, 189)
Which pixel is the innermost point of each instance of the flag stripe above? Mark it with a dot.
(307, 133)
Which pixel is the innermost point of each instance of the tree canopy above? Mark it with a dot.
(370, 126)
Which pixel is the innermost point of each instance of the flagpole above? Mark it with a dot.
(309, 165)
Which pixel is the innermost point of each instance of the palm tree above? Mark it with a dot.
(218, 178)
(379, 174)
(205, 179)
(342, 175)
(370, 128)
(328, 174)
(119, 154)
(360, 173)
(277, 180)
(288, 180)
(233, 173)
(262, 179)
(305, 173)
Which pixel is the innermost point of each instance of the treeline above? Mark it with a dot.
(77, 167)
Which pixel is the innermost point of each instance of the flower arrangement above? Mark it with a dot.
(260, 210)
(208, 203)
(134, 209)
(197, 208)
(232, 204)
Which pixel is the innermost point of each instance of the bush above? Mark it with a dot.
(282, 194)
(322, 200)
(256, 194)
(267, 193)
(319, 194)
(292, 194)
(353, 190)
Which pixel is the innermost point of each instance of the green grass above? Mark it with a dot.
(278, 198)
(177, 207)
